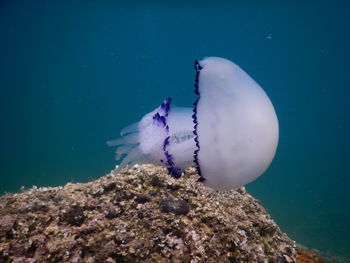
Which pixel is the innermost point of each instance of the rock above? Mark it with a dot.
(305, 256)
(139, 215)
(6, 224)
(141, 199)
(179, 207)
(75, 216)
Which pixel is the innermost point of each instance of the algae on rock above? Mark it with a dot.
(139, 215)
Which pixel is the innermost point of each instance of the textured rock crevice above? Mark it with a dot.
(139, 215)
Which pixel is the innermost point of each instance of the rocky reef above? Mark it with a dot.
(139, 215)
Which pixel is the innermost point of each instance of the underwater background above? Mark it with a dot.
(73, 73)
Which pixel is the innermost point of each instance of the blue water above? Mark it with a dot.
(73, 73)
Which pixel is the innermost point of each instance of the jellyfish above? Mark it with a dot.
(230, 135)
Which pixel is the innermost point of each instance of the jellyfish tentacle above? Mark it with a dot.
(128, 139)
(134, 154)
(132, 128)
(123, 149)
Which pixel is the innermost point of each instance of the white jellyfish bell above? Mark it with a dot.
(230, 135)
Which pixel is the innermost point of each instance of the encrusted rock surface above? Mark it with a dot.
(139, 215)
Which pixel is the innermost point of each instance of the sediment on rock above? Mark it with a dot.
(139, 215)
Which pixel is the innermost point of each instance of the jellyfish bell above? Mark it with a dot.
(230, 135)
(236, 125)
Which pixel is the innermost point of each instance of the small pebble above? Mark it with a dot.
(141, 199)
(179, 207)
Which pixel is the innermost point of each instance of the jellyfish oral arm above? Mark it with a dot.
(163, 136)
